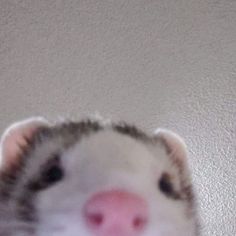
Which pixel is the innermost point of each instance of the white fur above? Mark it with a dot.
(104, 161)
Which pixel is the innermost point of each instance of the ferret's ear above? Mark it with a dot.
(174, 144)
(16, 138)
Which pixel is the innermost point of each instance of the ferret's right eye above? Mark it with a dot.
(51, 173)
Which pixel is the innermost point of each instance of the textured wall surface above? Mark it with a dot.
(158, 63)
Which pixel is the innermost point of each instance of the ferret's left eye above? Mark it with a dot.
(165, 185)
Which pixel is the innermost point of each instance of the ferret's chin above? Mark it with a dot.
(79, 230)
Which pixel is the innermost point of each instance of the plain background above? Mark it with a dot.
(163, 63)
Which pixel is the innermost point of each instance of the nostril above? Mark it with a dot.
(139, 222)
(95, 219)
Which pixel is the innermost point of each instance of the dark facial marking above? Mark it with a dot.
(131, 131)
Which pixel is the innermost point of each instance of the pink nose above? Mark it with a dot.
(116, 213)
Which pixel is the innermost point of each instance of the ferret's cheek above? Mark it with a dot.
(168, 218)
(61, 225)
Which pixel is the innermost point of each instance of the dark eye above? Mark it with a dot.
(52, 175)
(52, 171)
(165, 185)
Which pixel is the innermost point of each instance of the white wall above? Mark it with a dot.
(168, 63)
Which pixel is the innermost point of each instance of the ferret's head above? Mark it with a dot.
(88, 178)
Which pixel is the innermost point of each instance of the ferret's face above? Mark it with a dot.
(108, 183)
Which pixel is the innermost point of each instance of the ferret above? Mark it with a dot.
(94, 178)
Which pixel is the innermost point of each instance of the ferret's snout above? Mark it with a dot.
(114, 213)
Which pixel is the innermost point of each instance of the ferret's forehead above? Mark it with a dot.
(111, 142)
(111, 148)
